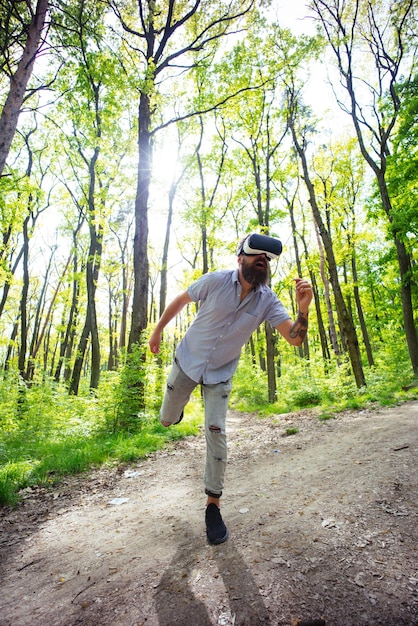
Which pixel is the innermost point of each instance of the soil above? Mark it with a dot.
(323, 526)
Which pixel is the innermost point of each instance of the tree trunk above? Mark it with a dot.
(92, 277)
(9, 277)
(360, 313)
(304, 348)
(271, 345)
(11, 346)
(38, 332)
(388, 64)
(406, 273)
(325, 282)
(347, 327)
(90, 328)
(68, 337)
(81, 352)
(141, 264)
(19, 81)
(24, 301)
(164, 259)
(320, 321)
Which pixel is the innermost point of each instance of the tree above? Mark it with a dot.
(35, 207)
(166, 36)
(299, 130)
(21, 40)
(339, 172)
(71, 309)
(385, 31)
(257, 127)
(95, 149)
(402, 166)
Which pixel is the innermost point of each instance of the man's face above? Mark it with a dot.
(255, 269)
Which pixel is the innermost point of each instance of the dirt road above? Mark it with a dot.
(323, 524)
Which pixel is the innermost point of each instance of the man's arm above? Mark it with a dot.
(295, 332)
(170, 312)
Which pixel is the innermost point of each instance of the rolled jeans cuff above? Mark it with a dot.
(212, 495)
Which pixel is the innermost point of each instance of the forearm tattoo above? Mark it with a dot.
(300, 327)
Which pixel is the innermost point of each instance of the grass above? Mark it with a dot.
(46, 435)
(304, 385)
(63, 435)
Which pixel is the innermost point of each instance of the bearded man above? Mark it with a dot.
(233, 303)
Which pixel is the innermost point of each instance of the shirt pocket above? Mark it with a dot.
(246, 323)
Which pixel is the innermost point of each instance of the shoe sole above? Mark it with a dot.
(217, 542)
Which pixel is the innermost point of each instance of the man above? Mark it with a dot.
(233, 303)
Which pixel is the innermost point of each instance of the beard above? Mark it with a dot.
(255, 273)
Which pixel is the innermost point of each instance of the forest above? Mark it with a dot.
(140, 140)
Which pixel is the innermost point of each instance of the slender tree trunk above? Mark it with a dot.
(320, 321)
(11, 346)
(112, 331)
(304, 348)
(271, 346)
(24, 301)
(360, 313)
(347, 327)
(321, 327)
(141, 263)
(38, 332)
(92, 278)
(8, 282)
(81, 353)
(72, 315)
(90, 328)
(19, 81)
(164, 260)
(325, 282)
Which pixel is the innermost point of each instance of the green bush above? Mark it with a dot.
(46, 434)
(306, 397)
(249, 387)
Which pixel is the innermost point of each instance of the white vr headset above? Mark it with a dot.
(260, 244)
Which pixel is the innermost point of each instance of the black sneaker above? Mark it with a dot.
(216, 531)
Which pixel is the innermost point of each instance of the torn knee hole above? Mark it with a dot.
(214, 429)
(170, 387)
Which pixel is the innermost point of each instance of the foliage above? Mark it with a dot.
(128, 394)
(58, 435)
(307, 385)
(402, 172)
(51, 434)
(226, 105)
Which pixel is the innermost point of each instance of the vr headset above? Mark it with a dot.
(260, 244)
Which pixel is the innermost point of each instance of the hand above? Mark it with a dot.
(154, 342)
(303, 294)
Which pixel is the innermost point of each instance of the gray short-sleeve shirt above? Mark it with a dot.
(211, 347)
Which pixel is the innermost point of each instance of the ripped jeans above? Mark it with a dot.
(215, 399)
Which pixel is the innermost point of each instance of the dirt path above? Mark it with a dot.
(323, 524)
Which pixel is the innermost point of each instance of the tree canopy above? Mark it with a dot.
(141, 140)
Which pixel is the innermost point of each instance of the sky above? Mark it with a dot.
(293, 14)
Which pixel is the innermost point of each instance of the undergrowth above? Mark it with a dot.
(47, 434)
(56, 435)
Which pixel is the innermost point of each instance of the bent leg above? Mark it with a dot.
(178, 390)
